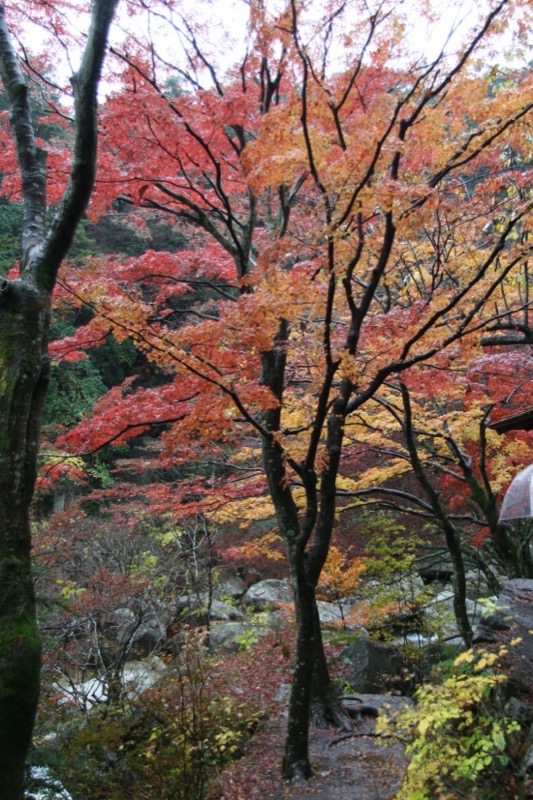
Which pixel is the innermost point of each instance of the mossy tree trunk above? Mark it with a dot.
(23, 375)
(25, 305)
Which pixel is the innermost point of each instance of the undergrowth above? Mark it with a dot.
(171, 742)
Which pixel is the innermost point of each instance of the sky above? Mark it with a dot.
(225, 22)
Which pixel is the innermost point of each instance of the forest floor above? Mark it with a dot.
(356, 766)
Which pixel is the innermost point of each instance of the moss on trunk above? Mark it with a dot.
(20, 661)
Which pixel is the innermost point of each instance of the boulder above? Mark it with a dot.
(120, 623)
(267, 593)
(137, 677)
(147, 637)
(476, 584)
(438, 572)
(141, 633)
(372, 666)
(195, 608)
(223, 611)
(329, 613)
(232, 588)
(441, 617)
(334, 614)
(235, 636)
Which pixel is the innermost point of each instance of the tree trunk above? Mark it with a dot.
(24, 377)
(24, 372)
(296, 762)
(313, 696)
(326, 708)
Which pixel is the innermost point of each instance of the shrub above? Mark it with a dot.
(166, 745)
(459, 739)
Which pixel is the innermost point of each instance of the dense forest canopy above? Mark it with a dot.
(289, 303)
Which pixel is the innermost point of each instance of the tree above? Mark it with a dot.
(351, 218)
(25, 303)
(436, 459)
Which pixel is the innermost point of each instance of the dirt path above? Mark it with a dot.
(354, 768)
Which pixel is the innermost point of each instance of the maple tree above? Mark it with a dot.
(443, 439)
(347, 220)
(25, 304)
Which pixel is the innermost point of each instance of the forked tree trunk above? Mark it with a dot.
(25, 306)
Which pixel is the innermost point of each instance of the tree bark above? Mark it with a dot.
(307, 537)
(25, 305)
(23, 381)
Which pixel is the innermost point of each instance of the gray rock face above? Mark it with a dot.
(440, 614)
(372, 666)
(330, 612)
(476, 584)
(231, 587)
(272, 592)
(234, 636)
(147, 637)
(142, 633)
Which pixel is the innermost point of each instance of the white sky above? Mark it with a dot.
(225, 21)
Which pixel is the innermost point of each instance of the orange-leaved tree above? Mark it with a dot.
(350, 211)
(436, 458)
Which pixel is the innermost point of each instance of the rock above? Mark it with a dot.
(372, 665)
(235, 636)
(195, 608)
(232, 588)
(517, 597)
(333, 614)
(483, 635)
(137, 677)
(382, 703)
(329, 612)
(518, 710)
(147, 637)
(271, 592)
(441, 617)
(516, 605)
(497, 620)
(120, 619)
(403, 591)
(526, 765)
(476, 584)
(140, 633)
(224, 611)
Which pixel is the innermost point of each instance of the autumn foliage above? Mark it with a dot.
(351, 220)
